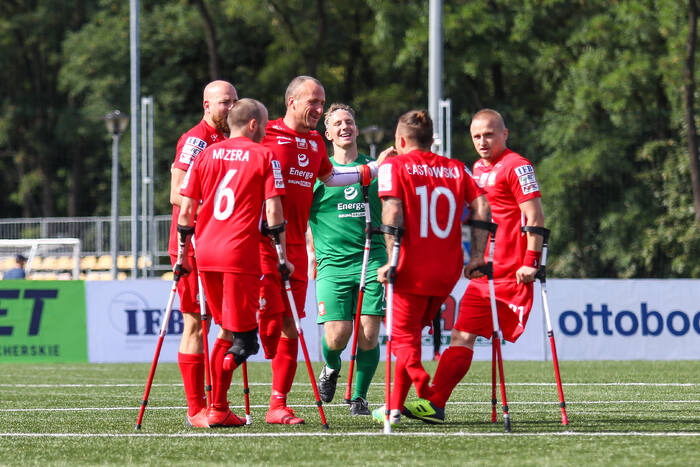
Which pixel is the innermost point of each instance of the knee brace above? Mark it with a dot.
(244, 345)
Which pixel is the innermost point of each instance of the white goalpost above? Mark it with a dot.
(64, 251)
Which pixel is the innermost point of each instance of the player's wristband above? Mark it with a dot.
(365, 174)
(532, 258)
(373, 168)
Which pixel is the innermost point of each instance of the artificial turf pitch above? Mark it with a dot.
(620, 413)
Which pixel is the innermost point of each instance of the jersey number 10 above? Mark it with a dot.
(429, 214)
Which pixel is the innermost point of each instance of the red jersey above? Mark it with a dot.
(190, 144)
(232, 179)
(433, 190)
(508, 181)
(303, 157)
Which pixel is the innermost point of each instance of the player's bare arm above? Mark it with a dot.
(392, 214)
(275, 216)
(388, 152)
(176, 177)
(480, 211)
(534, 214)
(187, 213)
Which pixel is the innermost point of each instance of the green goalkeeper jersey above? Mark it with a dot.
(337, 221)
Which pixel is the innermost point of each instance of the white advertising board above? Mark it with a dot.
(592, 319)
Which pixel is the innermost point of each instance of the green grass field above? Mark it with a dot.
(619, 413)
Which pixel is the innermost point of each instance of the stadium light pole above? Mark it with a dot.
(116, 123)
(373, 135)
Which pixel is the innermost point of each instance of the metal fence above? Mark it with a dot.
(94, 235)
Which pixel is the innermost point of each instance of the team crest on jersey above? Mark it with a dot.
(301, 143)
(214, 136)
(303, 160)
(487, 179)
(283, 140)
(314, 145)
(526, 177)
(350, 192)
(384, 177)
(321, 308)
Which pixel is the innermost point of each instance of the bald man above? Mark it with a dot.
(514, 195)
(218, 98)
(301, 152)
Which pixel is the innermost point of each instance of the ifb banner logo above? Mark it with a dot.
(132, 315)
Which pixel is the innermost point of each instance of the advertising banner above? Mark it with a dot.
(607, 319)
(125, 317)
(42, 321)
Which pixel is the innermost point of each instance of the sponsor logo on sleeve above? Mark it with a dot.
(301, 143)
(191, 148)
(303, 159)
(526, 177)
(384, 177)
(277, 174)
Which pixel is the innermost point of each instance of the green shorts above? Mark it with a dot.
(337, 297)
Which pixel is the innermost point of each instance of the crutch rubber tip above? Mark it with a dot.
(347, 401)
(507, 425)
(325, 425)
(248, 419)
(138, 427)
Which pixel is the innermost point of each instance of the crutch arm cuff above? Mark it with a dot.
(486, 269)
(483, 225)
(396, 232)
(185, 231)
(541, 231)
(273, 229)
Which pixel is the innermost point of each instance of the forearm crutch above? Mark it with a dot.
(496, 353)
(396, 232)
(178, 271)
(205, 334)
(275, 231)
(361, 294)
(542, 276)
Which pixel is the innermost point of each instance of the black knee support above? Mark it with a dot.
(244, 345)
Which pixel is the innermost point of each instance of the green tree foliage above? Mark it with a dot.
(591, 92)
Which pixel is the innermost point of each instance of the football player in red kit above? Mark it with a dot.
(233, 181)
(218, 98)
(514, 195)
(302, 153)
(424, 194)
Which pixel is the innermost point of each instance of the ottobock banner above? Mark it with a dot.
(597, 319)
(42, 321)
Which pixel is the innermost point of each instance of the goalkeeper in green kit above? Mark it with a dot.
(337, 222)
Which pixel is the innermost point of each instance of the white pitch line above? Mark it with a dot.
(426, 434)
(305, 406)
(129, 385)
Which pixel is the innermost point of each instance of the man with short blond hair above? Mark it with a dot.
(218, 97)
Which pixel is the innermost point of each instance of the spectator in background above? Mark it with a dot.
(18, 271)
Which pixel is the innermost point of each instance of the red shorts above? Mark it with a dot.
(273, 296)
(410, 314)
(187, 288)
(513, 302)
(232, 299)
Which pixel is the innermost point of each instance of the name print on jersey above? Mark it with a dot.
(526, 177)
(231, 155)
(435, 172)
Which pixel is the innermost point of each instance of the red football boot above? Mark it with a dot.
(198, 420)
(223, 418)
(283, 415)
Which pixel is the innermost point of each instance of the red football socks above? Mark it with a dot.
(192, 370)
(284, 367)
(221, 379)
(454, 365)
(409, 370)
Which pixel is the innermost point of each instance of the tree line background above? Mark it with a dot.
(598, 94)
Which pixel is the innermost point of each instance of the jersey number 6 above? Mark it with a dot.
(224, 196)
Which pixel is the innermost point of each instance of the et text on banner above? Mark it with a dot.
(42, 321)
